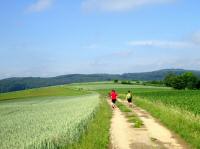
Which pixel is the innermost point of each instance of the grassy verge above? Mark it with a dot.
(122, 107)
(182, 122)
(132, 118)
(97, 133)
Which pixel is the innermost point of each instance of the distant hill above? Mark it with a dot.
(15, 84)
(157, 75)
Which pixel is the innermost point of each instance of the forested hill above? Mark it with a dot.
(14, 84)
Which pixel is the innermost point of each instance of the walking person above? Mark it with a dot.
(129, 98)
(113, 96)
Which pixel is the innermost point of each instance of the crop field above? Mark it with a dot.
(103, 86)
(62, 90)
(188, 100)
(58, 116)
(44, 122)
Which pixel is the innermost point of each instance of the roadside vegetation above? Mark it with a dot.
(184, 123)
(97, 133)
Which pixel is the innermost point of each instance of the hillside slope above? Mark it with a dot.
(15, 84)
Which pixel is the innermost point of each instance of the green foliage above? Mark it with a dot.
(169, 79)
(126, 82)
(179, 83)
(116, 81)
(137, 82)
(190, 80)
(186, 80)
(198, 84)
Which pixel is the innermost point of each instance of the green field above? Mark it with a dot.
(70, 116)
(46, 122)
(63, 90)
(178, 110)
(186, 99)
(109, 85)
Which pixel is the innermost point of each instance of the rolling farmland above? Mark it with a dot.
(59, 116)
(45, 122)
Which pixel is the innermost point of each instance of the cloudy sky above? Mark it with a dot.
(54, 37)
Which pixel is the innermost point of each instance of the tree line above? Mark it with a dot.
(186, 80)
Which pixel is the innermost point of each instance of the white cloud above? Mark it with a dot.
(119, 5)
(163, 44)
(40, 5)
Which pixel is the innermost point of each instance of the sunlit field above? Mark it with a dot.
(45, 122)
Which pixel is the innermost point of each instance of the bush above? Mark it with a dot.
(116, 81)
(126, 82)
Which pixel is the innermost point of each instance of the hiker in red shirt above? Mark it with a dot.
(113, 96)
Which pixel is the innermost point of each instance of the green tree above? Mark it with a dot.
(178, 83)
(190, 80)
(198, 84)
(169, 79)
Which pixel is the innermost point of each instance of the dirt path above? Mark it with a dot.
(152, 136)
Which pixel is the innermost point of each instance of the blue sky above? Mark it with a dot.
(55, 37)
